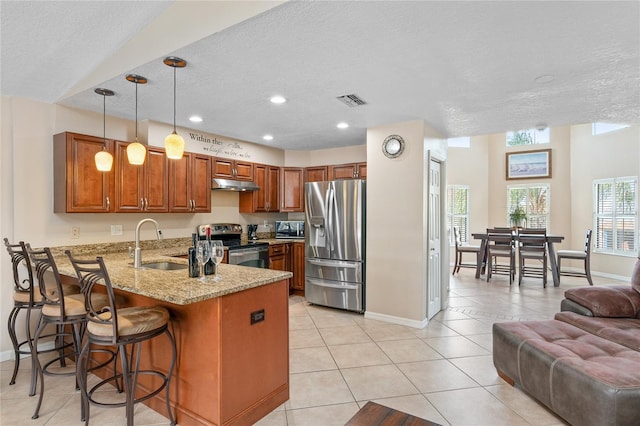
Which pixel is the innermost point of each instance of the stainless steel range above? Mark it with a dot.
(252, 253)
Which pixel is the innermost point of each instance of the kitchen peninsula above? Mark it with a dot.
(232, 336)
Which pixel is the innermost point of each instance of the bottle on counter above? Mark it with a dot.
(209, 266)
(194, 268)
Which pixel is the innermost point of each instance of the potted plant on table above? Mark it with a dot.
(518, 217)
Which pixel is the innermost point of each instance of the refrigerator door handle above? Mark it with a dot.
(329, 213)
(333, 263)
(325, 284)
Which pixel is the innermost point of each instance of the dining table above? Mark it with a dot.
(551, 240)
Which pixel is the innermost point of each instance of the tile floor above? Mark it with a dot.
(340, 360)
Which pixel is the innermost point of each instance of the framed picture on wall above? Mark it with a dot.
(529, 164)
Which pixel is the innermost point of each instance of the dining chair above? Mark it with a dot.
(532, 254)
(500, 244)
(584, 255)
(460, 250)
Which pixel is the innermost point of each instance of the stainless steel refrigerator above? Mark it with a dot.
(335, 243)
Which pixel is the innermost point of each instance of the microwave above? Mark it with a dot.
(290, 229)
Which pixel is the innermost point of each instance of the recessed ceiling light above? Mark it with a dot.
(546, 78)
(195, 119)
(278, 99)
(267, 137)
(342, 125)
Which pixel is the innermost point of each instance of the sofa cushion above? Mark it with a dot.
(611, 301)
(624, 331)
(584, 378)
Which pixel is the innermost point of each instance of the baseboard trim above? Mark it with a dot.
(396, 320)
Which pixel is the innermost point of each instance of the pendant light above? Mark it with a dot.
(136, 152)
(104, 159)
(174, 144)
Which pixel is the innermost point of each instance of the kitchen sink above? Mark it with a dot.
(165, 266)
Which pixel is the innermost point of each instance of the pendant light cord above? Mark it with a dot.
(104, 121)
(174, 99)
(136, 111)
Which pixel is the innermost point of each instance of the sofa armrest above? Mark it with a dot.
(611, 302)
(567, 305)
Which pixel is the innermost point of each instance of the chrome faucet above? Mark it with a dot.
(137, 254)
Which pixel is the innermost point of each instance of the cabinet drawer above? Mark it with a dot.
(276, 249)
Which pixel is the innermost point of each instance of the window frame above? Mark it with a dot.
(614, 218)
(464, 236)
(532, 134)
(528, 186)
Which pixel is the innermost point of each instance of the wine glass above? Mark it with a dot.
(217, 253)
(203, 254)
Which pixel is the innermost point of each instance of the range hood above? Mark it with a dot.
(233, 185)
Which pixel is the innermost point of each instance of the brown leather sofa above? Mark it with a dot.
(585, 363)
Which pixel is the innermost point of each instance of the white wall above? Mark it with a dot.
(396, 226)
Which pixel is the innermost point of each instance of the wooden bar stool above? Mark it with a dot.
(126, 328)
(500, 244)
(532, 254)
(584, 255)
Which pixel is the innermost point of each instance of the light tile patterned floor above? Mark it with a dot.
(340, 360)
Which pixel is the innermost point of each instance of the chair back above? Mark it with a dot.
(90, 273)
(532, 239)
(500, 238)
(456, 237)
(587, 243)
(47, 271)
(22, 280)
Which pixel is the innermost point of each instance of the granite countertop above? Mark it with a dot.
(172, 286)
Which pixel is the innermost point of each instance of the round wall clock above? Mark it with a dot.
(393, 146)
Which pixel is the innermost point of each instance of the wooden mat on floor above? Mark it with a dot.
(373, 414)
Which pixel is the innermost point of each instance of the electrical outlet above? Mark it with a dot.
(75, 232)
(116, 229)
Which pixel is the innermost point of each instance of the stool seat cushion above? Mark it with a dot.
(131, 321)
(23, 296)
(574, 254)
(74, 305)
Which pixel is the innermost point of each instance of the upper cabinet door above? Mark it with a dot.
(348, 171)
(316, 174)
(201, 183)
(230, 169)
(179, 184)
(292, 189)
(190, 184)
(129, 179)
(156, 181)
(78, 185)
(141, 188)
(267, 198)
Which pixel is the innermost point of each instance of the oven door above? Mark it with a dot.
(256, 257)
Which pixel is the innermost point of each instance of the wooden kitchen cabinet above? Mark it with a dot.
(267, 198)
(278, 257)
(232, 169)
(348, 171)
(142, 188)
(316, 173)
(297, 267)
(190, 184)
(292, 189)
(78, 186)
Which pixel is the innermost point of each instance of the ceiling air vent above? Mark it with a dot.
(351, 100)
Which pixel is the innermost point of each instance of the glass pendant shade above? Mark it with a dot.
(174, 146)
(136, 153)
(104, 161)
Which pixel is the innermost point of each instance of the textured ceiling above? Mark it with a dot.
(465, 68)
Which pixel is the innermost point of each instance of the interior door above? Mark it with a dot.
(434, 302)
